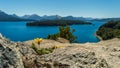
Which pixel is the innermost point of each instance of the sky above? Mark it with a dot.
(78, 8)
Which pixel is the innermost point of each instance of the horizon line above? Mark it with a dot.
(58, 15)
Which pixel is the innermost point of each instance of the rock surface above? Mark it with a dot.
(104, 54)
(62, 40)
(10, 57)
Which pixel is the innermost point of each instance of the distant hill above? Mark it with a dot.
(56, 23)
(105, 19)
(108, 19)
(6, 17)
(76, 18)
(45, 17)
(14, 15)
(54, 17)
(34, 17)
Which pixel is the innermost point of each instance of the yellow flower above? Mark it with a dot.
(38, 40)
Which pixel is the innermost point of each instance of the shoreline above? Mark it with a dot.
(100, 38)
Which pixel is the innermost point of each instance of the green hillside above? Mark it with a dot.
(109, 30)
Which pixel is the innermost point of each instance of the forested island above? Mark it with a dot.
(109, 30)
(56, 23)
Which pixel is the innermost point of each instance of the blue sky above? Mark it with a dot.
(85, 8)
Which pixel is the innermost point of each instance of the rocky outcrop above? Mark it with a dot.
(104, 54)
(28, 55)
(10, 57)
(77, 60)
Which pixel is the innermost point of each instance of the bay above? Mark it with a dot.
(18, 31)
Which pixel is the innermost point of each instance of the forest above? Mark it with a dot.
(56, 23)
(109, 30)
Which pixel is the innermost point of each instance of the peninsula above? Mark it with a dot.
(109, 30)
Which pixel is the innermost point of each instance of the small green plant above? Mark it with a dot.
(42, 51)
(33, 47)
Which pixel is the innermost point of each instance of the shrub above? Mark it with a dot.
(64, 32)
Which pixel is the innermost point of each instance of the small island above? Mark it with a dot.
(56, 23)
(109, 30)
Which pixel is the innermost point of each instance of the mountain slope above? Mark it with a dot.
(53, 17)
(33, 16)
(6, 17)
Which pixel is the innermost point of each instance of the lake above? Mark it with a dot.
(18, 31)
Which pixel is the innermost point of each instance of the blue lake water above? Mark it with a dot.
(18, 31)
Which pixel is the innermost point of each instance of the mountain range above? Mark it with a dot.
(6, 17)
(34, 17)
(53, 17)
